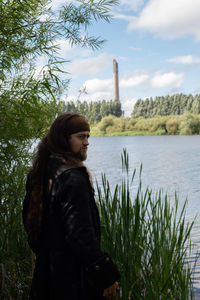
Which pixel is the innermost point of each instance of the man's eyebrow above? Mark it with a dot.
(84, 134)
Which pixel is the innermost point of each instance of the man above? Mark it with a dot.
(62, 220)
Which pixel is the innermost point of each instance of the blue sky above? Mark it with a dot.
(156, 44)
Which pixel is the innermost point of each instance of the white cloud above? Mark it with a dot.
(169, 19)
(90, 65)
(64, 47)
(107, 85)
(127, 105)
(97, 96)
(169, 79)
(133, 79)
(98, 85)
(185, 60)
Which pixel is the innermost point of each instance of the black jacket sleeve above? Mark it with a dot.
(75, 205)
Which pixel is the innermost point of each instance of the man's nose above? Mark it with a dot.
(86, 142)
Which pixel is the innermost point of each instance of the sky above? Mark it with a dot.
(156, 44)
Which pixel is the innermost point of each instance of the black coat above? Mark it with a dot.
(69, 261)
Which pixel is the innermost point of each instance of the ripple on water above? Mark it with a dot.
(169, 162)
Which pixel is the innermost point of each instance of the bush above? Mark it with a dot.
(189, 124)
(142, 124)
(119, 125)
(130, 123)
(159, 125)
(106, 122)
(16, 257)
(152, 124)
(172, 125)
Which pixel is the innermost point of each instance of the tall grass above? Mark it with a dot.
(15, 254)
(148, 239)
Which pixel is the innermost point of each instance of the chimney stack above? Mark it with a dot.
(116, 82)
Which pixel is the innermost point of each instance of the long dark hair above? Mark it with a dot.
(54, 143)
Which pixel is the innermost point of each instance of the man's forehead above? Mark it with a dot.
(82, 132)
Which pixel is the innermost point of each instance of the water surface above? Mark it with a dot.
(169, 162)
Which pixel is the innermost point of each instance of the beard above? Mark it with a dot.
(81, 154)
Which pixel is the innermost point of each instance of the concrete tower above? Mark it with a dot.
(116, 82)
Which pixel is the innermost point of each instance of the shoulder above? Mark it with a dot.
(74, 176)
(73, 186)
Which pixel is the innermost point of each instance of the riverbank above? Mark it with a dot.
(96, 133)
(186, 124)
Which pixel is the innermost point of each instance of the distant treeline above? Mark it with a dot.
(94, 111)
(177, 104)
(185, 124)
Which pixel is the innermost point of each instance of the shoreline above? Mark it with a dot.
(136, 133)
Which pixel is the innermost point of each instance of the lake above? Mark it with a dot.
(168, 162)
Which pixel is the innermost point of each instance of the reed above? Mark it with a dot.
(15, 255)
(147, 238)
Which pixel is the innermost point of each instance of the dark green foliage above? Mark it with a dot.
(94, 111)
(29, 101)
(169, 105)
(15, 255)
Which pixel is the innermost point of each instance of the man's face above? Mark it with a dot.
(79, 143)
